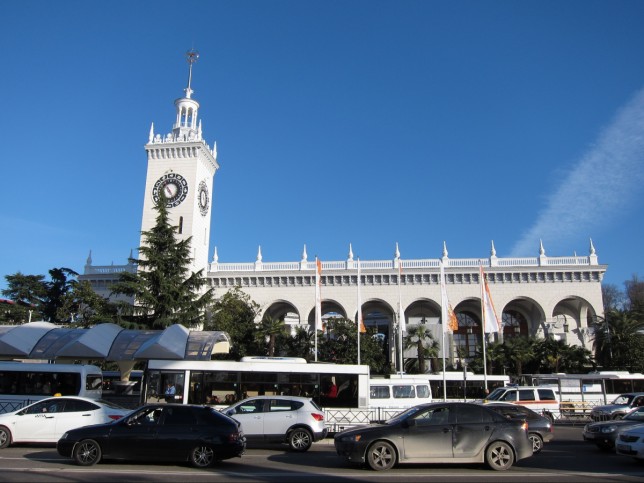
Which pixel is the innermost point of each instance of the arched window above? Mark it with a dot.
(466, 338)
(514, 324)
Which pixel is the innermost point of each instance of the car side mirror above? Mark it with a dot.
(410, 423)
(230, 412)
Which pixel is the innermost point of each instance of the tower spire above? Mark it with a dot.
(191, 56)
(187, 127)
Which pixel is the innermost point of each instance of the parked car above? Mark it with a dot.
(167, 432)
(543, 400)
(630, 442)
(540, 428)
(604, 433)
(297, 421)
(46, 420)
(446, 432)
(620, 406)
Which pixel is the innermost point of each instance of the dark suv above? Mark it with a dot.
(166, 432)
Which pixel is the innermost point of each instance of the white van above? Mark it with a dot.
(541, 399)
(398, 392)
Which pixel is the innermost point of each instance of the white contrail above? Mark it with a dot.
(598, 187)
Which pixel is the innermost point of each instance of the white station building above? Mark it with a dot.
(541, 296)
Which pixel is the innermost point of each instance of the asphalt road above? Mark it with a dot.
(567, 458)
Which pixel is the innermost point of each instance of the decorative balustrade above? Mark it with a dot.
(380, 265)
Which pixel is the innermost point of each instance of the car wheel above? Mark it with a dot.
(300, 439)
(537, 442)
(381, 456)
(499, 456)
(5, 437)
(202, 456)
(87, 452)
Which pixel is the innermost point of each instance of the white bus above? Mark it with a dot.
(464, 386)
(22, 383)
(398, 391)
(225, 382)
(594, 388)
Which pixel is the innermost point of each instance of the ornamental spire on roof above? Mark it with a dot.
(186, 127)
(191, 56)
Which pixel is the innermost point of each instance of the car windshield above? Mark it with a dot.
(623, 399)
(496, 394)
(403, 415)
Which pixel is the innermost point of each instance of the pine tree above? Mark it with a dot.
(165, 292)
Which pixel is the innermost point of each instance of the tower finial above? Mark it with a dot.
(191, 56)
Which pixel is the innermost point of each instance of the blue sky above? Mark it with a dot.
(336, 122)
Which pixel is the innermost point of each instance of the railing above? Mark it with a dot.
(368, 265)
(338, 419)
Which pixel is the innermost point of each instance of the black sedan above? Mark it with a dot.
(447, 432)
(540, 428)
(604, 434)
(169, 432)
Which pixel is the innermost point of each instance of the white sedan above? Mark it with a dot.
(630, 442)
(47, 420)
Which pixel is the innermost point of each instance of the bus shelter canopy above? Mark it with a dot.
(109, 342)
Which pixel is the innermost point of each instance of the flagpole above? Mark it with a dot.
(444, 321)
(401, 320)
(359, 314)
(318, 303)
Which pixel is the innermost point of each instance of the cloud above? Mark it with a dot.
(599, 185)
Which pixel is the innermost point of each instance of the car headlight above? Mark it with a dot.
(608, 429)
(354, 438)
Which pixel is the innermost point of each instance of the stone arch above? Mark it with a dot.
(469, 334)
(329, 308)
(426, 312)
(523, 313)
(283, 309)
(571, 318)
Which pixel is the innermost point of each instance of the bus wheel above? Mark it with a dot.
(5, 437)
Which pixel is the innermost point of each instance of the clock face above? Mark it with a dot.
(174, 186)
(203, 198)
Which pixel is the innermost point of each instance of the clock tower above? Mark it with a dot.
(182, 165)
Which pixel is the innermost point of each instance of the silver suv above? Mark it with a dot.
(297, 421)
(622, 404)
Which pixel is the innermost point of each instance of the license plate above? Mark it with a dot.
(624, 447)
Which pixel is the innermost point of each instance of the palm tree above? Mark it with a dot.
(270, 329)
(520, 350)
(417, 336)
(619, 339)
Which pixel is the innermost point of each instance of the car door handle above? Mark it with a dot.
(85, 415)
(48, 417)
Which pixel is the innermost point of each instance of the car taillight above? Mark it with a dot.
(234, 437)
(115, 417)
(524, 426)
(318, 416)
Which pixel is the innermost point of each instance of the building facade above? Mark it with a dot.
(539, 296)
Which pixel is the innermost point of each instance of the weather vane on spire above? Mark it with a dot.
(191, 56)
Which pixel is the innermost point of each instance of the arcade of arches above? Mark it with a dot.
(522, 317)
